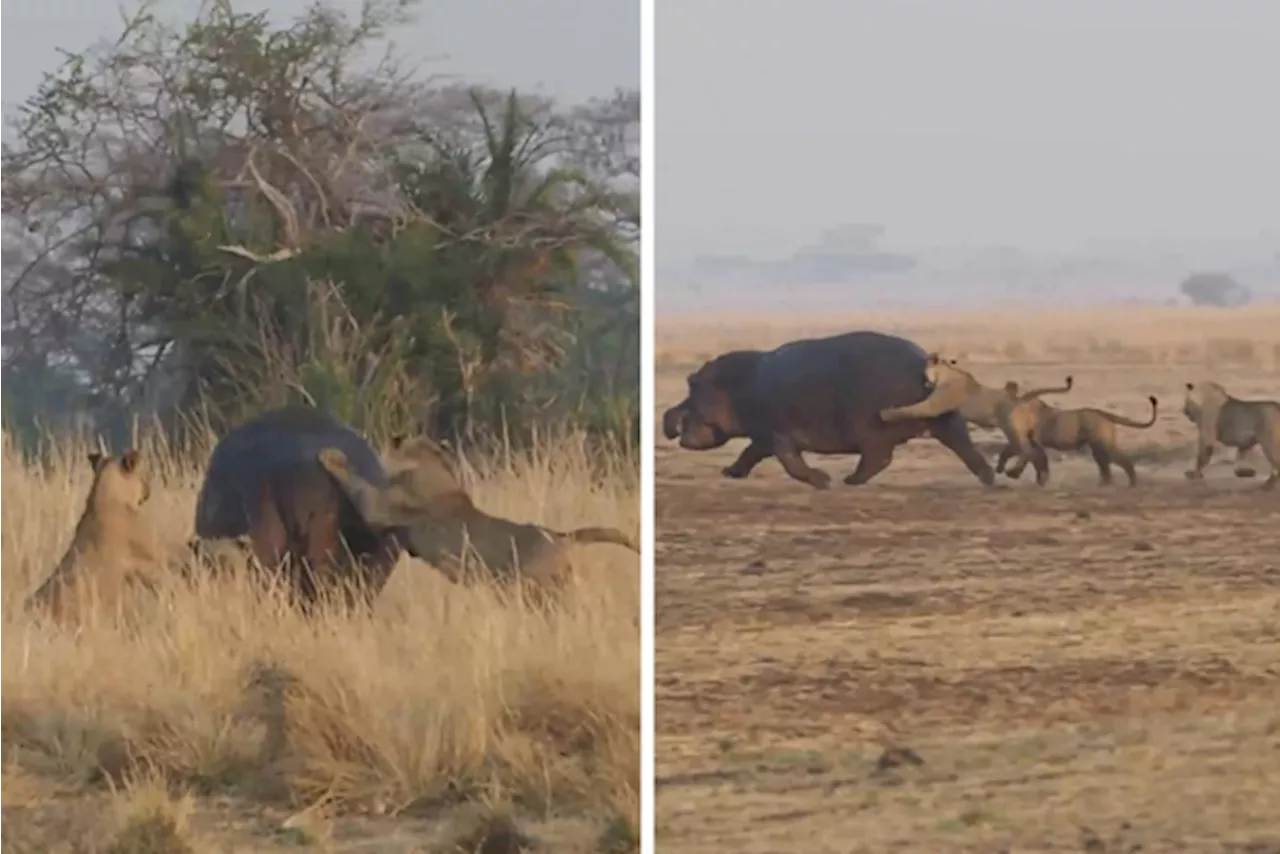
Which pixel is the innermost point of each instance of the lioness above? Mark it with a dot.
(953, 388)
(1033, 428)
(1236, 423)
(426, 504)
(113, 547)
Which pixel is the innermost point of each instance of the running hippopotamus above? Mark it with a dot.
(822, 395)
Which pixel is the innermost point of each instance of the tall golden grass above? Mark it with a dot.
(445, 694)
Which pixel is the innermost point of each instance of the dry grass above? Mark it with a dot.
(221, 720)
(921, 664)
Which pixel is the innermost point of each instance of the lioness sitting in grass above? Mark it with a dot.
(425, 501)
(113, 547)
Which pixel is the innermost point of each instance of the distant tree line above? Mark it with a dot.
(215, 218)
(1215, 289)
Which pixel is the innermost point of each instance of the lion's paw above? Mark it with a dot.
(333, 461)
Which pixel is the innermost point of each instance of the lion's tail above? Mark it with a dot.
(1129, 422)
(601, 535)
(1037, 392)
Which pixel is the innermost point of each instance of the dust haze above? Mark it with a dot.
(817, 155)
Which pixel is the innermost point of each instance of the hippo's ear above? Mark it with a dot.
(129, 460)
(397, 440)
(95, 460)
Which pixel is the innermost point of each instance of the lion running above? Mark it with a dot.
(1034, 426)
(952, 388)
(113, 547)
(1240, 424)
(426, 502)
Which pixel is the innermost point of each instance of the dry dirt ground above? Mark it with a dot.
(922, 664)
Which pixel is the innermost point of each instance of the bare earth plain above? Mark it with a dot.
(923, 664)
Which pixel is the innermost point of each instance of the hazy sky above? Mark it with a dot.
(568, 48)
(1036, 124)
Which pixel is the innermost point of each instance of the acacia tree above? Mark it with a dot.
(175, 201)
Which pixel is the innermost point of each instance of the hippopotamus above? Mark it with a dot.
(265, 482)
(822, 395)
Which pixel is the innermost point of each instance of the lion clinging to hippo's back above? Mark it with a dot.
(425, 502)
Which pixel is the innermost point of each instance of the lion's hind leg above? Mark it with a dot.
(1040, 461)
(1271, 450)
(1243, 453)
(1006, 453)
(1102, 458)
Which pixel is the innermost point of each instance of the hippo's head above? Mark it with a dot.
(710, 416)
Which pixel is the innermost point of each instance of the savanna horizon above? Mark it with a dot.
(451, 708)
(1122, 333)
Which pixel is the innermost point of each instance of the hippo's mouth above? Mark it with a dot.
(702, 437)
(673, 421)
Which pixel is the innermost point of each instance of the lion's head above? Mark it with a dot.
(947, 384)
(119, 481)
(1202, 396)
(709, 416)
(423, 467)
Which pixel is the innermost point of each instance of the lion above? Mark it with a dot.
(113, 548)
(951, 388)
(426, 503)
(1034, 426)
(1240, 424)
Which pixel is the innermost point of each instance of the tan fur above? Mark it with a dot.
(952, 388)
(1240, 424)
(425, 499)
(1033, 426)
(113, 548)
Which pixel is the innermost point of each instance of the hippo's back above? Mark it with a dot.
(870, 370)
(277, 446)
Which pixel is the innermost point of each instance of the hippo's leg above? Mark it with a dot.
(874, 459)
(953, 432)
(789, 455)
(751, 456)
